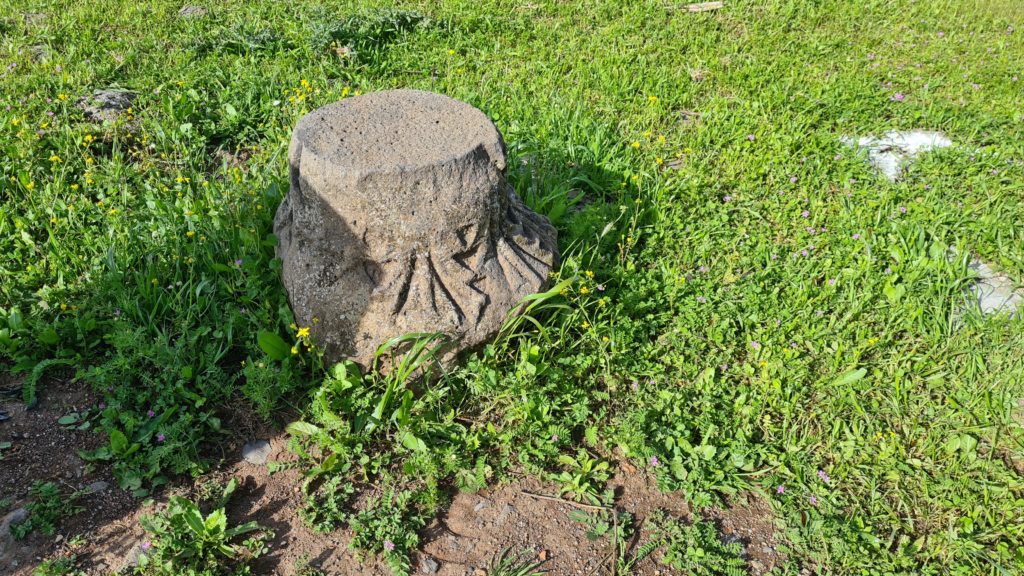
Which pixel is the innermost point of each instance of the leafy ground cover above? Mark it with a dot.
(743, 304)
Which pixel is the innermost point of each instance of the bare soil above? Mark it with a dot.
(520, 514)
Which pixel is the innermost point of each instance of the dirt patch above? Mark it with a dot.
(749, 521)
(518, 515)
(42, 450)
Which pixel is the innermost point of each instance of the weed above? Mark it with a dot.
(695, 548)
(62, 566)
(523, 563)
(184, 541)
(49, 505)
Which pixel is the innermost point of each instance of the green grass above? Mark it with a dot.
(691, 332)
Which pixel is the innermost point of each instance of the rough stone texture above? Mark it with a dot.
(994, 291)
(256, 452)
(106, 105)
(40, 52)
(189, 11)
(399, 220)
(7, 542)
(889, 153)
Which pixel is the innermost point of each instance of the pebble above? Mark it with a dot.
(506, 511)
(189, 12)
(256, 452)
(98, 486)
(428, 565)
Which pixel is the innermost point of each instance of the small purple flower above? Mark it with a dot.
(941, 34)
(856, 236)
(727, 198)
(238, 262)
(117, 312)
(837, 157)
(701, 300)
(755, 345)
(654, 461)
(811, 230)
(805, 214)
(780, 489)
(888, 270)
(898, 97)
(751, 137)
(554, 437)
(58, 68)
(824, 476)
(903, 209)
(703, 269)
(635, 385)
(805, 253)
(1015, 78)
(146, 545)
(103, 405)
(150, 413)
(792, 180)
(160, 438)
(814, 500)
(600, 287)
(774, 256)
(723, 367)
(831, 281)
(389, 545)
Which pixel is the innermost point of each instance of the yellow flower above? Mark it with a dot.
(153, 281)
(661, 139)
(584, 290)
(635, 144)
(62, 96)
(55, 158)
(652, 99)
(659, 161)
(302, 333)
(589, 273)
(585, 325)
(74, 186)
(63, 307)
(190, 233)
(30, 185)
(295, 349)
(450, 52)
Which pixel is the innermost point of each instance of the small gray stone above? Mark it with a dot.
(106, 105)
(40, 52)
(35, 18)
(96, 487)
(7, 542)
(428, 565)
(256, 452)
(506, 511)
(482, 504)
(189, 12)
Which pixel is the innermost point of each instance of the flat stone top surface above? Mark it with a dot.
(397, 129)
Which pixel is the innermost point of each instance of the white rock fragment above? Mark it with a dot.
(994, 291)
(889, 153)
